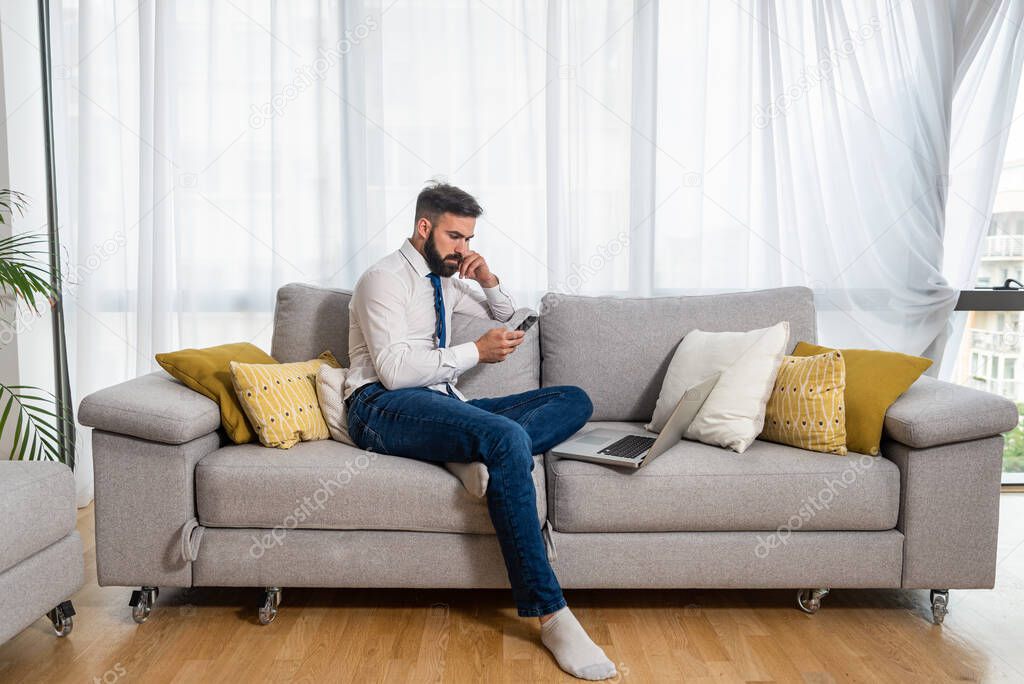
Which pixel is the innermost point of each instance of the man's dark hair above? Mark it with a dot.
(438, 198)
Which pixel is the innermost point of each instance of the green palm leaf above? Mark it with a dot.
(38, 428)
(20, 270)
(12, 201)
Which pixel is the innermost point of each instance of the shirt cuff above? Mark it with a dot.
(466, 356)
(496, 295)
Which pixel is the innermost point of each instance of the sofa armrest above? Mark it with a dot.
(933, 412)
(154, 407)
(149, 434)
(949, 512)
(145, 500)
(946, 440)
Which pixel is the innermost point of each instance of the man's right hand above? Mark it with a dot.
(497, 343)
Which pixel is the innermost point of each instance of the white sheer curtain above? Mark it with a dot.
(983, 104)
(214, 150)
(839, 179)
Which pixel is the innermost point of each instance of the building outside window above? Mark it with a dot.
(992, 344)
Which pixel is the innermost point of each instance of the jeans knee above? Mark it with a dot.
(510, 440)
(580, 403)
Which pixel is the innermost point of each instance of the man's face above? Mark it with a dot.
(448, 243)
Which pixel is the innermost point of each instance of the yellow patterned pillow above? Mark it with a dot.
(279, 399)
(806, 408)
(874, 380)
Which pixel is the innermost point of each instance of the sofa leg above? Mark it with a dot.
(62, 618)
(940, 605)
(271, 600)
(142, 601)
(809, 600)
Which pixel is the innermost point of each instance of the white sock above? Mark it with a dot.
(575, 652)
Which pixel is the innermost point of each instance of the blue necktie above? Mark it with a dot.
(439, 331)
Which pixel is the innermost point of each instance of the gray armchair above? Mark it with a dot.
(41, 562)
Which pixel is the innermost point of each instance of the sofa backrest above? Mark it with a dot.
(619, 349)
(519, 372)
(310, 319)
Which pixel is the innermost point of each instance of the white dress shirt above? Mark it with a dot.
(392, 324)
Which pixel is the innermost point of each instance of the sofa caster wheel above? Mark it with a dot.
(271, 600)
(62, 618)
(940, 605)
(142, 601)
(809, 600)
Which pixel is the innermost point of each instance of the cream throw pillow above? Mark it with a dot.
(733, 414)
(330, 388)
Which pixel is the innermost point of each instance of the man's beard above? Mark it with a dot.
(436, 262)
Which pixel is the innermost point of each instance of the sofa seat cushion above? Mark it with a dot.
(333, 486)
(37, 506)
(695, 487)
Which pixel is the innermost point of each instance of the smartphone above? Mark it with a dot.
(527, 323)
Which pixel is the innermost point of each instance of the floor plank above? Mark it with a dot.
(358, 635)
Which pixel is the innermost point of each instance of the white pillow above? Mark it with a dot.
(733, 414)
(330, 388)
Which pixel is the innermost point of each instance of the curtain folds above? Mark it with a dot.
(216, 150)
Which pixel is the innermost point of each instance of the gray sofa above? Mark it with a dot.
(177, 505)
(41, 562)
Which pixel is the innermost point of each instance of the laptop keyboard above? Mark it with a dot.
(629, 446)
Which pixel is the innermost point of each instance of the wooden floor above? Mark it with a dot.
(212, 635)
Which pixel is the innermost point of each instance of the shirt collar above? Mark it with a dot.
(415, 259)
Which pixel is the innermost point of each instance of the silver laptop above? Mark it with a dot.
(635, 449)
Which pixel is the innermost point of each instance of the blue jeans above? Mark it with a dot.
(504, 433)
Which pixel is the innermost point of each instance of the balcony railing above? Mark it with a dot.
(990, 340)
(1004, 246)
(1011, 389)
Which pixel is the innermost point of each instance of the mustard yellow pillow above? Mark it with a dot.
(806, 406)
(280, 400)
(874, 380)
(206, 371)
